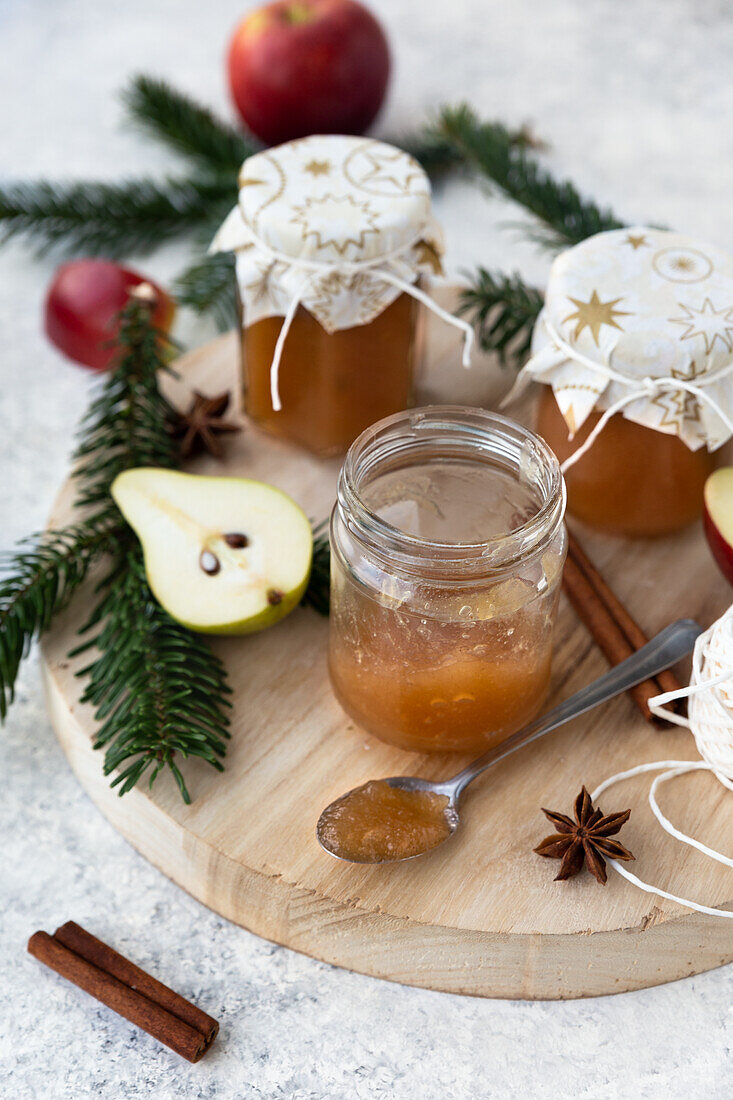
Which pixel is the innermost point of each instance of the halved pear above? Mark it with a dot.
(718, 518)
(223, 555)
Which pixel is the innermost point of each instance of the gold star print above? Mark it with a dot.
(637, 241)
(710, 323)
(594, 314)
(428, 254)
(683, 263)
(389, 173)
(684, 405)
(322, 219)
(318, 167)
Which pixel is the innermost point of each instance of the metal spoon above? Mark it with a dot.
(667, 647)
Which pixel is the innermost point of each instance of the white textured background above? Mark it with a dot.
(637, 102)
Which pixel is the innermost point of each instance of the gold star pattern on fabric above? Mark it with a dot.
(386, 173)
(637, 241)
(428, 254)
(679, 406)
(594, 314)
(319, 167)
(707, 322)
(316, 214)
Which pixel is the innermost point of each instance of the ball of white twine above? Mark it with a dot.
(710, 721)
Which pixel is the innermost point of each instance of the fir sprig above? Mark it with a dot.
(318, 592)
(39, 579)
(187, 127)
(503, 309)
(208, 286)
(563, 216)
(113, 219)
(160, 693)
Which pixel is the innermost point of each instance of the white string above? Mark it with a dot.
(710, 721)
(314, 268)
(646, 387)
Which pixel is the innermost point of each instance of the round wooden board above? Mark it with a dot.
(483, 915)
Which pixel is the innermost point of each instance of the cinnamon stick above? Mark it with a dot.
(615, 631)
(121, 985)
(637, 638)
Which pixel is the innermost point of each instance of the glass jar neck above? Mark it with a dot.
(450, 434)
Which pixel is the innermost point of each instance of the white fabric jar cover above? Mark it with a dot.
(341, 225)
(639, 321)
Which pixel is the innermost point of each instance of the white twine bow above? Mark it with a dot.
(711, 724)
(314, 269)
(646, 387)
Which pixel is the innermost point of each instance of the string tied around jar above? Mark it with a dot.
(376, 268)
(644, 387)
(710, 695)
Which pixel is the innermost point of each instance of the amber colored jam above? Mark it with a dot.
(376, 823)
(634, 480)
(430, 685)
(332, 386)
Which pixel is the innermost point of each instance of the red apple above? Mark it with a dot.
(82, 307)
(718, 518)
(299, 67)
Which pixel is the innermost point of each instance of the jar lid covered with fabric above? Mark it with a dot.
(635, 346)
(331, 236)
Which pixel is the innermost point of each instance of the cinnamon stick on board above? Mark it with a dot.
(121, 985)
(616, 633)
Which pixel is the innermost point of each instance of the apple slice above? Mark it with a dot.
(223, 555)
(718, 518)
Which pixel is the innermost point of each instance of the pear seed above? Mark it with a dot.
(274, 596)
(209, 563)
(236, 540)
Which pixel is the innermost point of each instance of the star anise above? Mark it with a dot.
(585, 840)
(199, 427)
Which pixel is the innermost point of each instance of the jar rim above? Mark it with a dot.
(458, 431)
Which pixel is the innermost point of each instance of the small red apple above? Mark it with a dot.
(82, 307)
(718, 518)
(299, 67)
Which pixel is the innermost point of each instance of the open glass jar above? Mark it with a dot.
(634, 346)
(332, 236)
(447, 548)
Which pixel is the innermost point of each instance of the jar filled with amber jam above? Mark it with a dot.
(636, 354)
(331, 235)
(447, 548)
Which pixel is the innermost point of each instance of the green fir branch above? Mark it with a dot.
(38, 580)
(564, 217)
(209, 287)
(318, 593)
(113, 219)
(503, 309)
(159, 692)
(187, 127)
(130, 423)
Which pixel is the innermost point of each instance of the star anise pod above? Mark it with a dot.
(199, 427)
(585, 840)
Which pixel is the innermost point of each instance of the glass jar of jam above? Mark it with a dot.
(332, 236)
(447, 548)
(634, 347)
(634, 480)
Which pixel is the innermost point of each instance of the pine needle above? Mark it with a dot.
(564, 218)
(503, 308)
(318, 593)
(187, 127)
(112, 219)
(209, 287)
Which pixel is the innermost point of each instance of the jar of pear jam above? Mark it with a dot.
(634, 480)
(447, 544)
(332, 385)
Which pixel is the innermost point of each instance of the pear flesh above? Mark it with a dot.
(223, 555)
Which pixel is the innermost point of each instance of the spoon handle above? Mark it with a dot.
(667, 647)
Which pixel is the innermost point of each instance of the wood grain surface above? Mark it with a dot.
(482, 915)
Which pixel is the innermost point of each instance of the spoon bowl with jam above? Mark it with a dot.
(390, 820)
